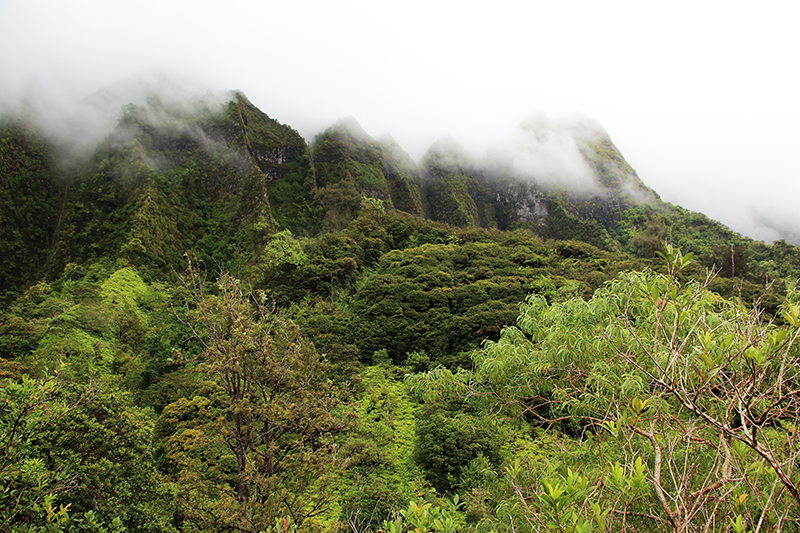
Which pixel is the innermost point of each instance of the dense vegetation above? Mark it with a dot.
(210, 326)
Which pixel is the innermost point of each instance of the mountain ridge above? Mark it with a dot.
(217, 180)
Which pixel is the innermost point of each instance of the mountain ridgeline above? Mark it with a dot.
(209, 325)
(218, 182)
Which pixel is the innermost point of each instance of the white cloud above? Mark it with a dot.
(550, 152)
(665, 80)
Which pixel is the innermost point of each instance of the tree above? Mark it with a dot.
(75, 457)
(676, 408)
(278, 409)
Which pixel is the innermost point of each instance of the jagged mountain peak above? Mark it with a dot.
(579, 126)
(239, 174)
(350, 126)
(448, 153)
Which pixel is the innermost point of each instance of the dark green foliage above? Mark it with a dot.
(283, 158)
(450, 201)
(30, 206)
(781, 260)
(641, 226)
(755, 266)
(462, 194)
(105, 444)
(346, 152)
(445, 299)
(565, 225)
(83, 449)
(447, 441)
(341, 202)
(402, 176)
(349, 164)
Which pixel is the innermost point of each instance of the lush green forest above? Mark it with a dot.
(210, 325)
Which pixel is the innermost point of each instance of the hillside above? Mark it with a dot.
(208, 324)
(217, 181)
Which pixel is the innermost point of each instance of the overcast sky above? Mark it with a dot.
(700, 97)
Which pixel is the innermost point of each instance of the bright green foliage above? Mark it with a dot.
(694, 392)
(282, 255)
(448, 441)
(426, 517)
(84, 328)
(381, 471)
(77, 457)
(88, 324)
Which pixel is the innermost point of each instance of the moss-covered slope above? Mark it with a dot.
(200, 179)
(283, 158)
(30, 206)
(350, 165)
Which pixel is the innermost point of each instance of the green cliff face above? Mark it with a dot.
(283, 158)
(209, 179)
(522, 186)
(218, 180)
(350, 164)
(402, 175)
(502, 193)
(164, 182)
(30, 204)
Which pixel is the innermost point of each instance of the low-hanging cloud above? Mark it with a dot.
(76, 126)
(778, 225)
(699, 132)
(551, 152)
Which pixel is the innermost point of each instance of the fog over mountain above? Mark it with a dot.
(700, 99)
(550, 151)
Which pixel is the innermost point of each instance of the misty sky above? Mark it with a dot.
(702, 98)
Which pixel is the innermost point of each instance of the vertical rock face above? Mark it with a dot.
(562, 180)
(526, 204)
(271, 160)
